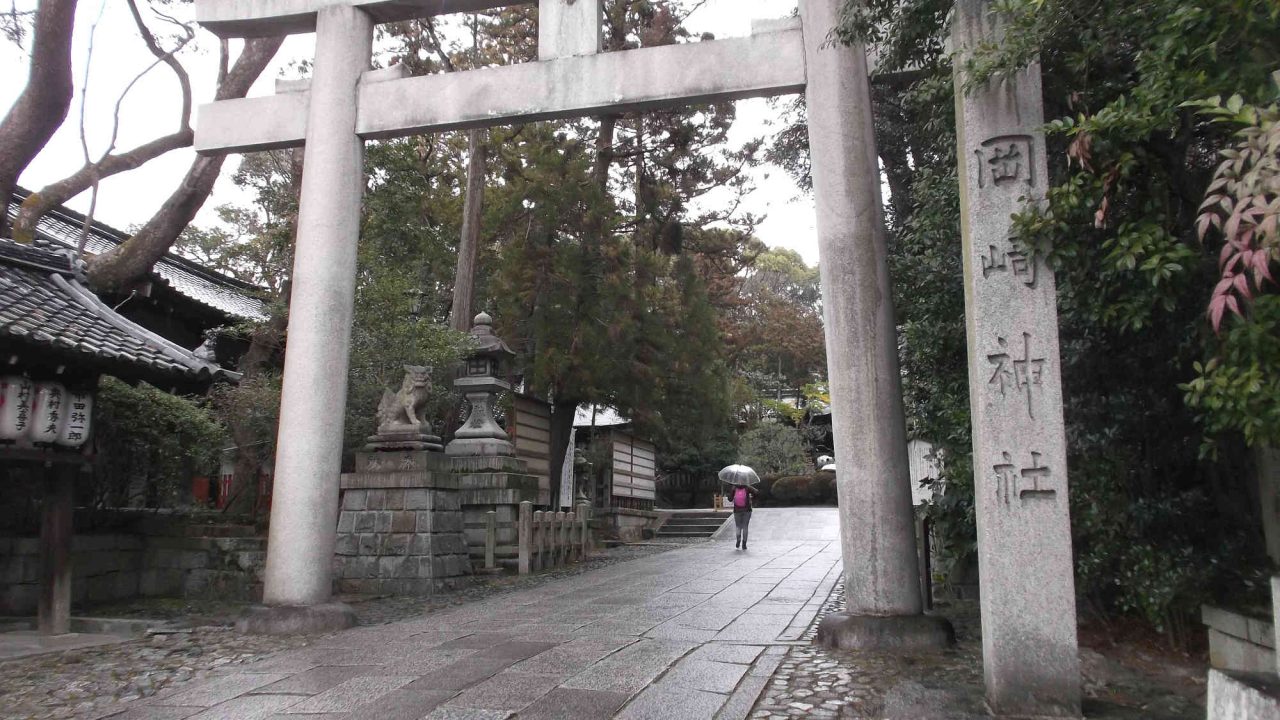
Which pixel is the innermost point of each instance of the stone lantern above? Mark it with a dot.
(481, 435)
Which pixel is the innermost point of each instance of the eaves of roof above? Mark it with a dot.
(61, 227)
(46, 313)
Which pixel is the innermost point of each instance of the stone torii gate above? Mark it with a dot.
(345, 103)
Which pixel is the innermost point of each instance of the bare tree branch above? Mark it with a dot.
(44, 103)
(92, 173)
(133, 259)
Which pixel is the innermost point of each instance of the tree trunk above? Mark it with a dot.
(562, 415)
(563, 412)
(464, 282)
(265, 342)
(133, 259)
(51, 196)
(55, 194)
(40, 109)
(604, 150)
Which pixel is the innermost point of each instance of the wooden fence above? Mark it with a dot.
(530, 431)
(552, 539)
(634, 472)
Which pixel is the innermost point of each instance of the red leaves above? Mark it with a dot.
(1108, 187)
(1243, 205)
(1218, 305)
(1081, 150)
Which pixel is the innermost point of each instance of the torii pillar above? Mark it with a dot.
(297, 590)
(877, 520)
(572, 78)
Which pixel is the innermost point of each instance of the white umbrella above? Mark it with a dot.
(739, 475)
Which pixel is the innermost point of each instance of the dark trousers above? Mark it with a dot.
(742, 518)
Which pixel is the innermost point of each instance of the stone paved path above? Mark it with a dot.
(694, 633)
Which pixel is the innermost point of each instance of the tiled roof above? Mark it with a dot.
(44, 306)
(61, 228)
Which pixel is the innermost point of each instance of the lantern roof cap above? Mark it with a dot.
(487, 342)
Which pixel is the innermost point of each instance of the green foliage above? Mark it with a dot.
(775, 327)
(402, 292)
(1154, 524)
(816, 489)
(1155, 557)
(251, 410)
(772, 448)
(150, 444)
(1239, 390)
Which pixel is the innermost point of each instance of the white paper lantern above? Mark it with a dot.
(77, 419)
(47, 412)
(16, 394)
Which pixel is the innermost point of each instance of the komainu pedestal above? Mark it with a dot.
(400, 529)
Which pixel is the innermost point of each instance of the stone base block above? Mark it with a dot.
(506, 464)
(402, 461)
(497, 489)
(1240, 640)
(480, 447)
(1243, 696)
(296, 620)
(413, 587)
(403, 441)
(626, 524)
(911, 633)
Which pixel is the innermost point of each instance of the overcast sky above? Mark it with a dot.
(153, 106)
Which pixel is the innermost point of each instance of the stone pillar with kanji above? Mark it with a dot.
(1030, 655)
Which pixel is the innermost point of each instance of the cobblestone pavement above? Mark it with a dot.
(79, 683)
(814, 682)
(691, 633)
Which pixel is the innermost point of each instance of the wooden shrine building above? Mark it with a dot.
(56, 339)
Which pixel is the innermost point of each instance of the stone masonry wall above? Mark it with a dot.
(112, 567)
(400, 541)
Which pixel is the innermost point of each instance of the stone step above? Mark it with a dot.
(695, 522)
(666, 533)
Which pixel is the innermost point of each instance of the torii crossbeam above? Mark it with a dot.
(345, 104)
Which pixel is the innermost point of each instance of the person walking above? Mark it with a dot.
(741, 498)
(741, 480)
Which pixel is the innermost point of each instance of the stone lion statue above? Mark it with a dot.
(402, 411)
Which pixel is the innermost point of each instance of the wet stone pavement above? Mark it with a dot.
(80, 683)
(701, 632)
(691, 633)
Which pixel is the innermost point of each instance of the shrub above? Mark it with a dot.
(150, 444)
(816, 489)
(774, 449)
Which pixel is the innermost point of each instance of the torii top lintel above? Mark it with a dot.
(262, 18)
(571, 77)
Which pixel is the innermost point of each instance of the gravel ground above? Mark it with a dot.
(814, 682)
(78, 684)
